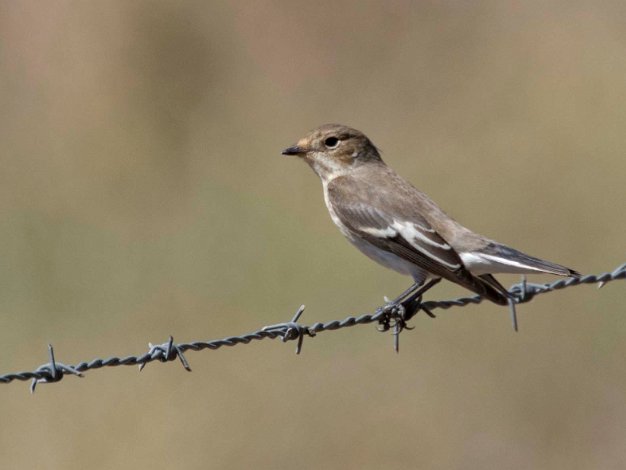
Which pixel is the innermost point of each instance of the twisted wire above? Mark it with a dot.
(392, 316)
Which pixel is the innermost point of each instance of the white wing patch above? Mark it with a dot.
(388, 232)
(413, 233)
(424, 228)
(408, 230)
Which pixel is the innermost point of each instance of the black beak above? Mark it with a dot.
(294, 150)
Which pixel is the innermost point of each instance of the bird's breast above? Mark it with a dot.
(333, 215)
(382, 257)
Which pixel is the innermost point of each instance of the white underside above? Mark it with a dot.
(391, 261)
(385, 258)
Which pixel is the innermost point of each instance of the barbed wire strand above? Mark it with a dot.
(391, 316)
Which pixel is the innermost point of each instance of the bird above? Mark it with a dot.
(400, 227)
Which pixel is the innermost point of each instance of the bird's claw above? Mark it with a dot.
(394, 320)
(396, 313)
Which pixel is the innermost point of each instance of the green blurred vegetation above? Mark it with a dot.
(143, 194)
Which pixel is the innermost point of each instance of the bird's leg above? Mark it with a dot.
(404, 294)
(404, 307)
(395, 308)
(411, 295)
(413, 302)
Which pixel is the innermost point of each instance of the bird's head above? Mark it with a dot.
(333, 149)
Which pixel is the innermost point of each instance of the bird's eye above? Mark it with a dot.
(331, 142)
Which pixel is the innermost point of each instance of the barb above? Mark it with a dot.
(392, 316)
(291, 330)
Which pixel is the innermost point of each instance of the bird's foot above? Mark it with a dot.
(397, 312)
(393, 320)
(410, 301)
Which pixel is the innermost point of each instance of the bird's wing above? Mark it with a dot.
(407, 235)
(413, 240)
(381, 217)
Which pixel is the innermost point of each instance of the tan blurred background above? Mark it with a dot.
(143, 194)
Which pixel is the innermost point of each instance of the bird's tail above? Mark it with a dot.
(503, 259)
(487, 287)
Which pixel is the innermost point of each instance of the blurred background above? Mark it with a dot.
(143, 194)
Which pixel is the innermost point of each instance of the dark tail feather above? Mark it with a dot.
(493, 283)
(507, 253)
(487, 287)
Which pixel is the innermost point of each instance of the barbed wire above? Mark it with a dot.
(391, 316)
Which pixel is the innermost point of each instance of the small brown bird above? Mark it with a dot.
(400, 227)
